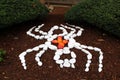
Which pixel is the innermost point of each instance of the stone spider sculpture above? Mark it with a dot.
(61, 39)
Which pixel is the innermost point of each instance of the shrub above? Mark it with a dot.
(2, 54)
(104, 14)
(17, 11)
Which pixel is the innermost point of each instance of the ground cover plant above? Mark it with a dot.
(17, 11)
(104, 14)
(2, 54)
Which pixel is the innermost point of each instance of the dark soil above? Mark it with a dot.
(14, 40)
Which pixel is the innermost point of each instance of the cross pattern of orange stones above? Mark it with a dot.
(61, 42)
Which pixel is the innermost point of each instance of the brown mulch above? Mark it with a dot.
(14, 40)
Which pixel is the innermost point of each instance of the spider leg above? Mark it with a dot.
(100, 53)
(89, 56)
(38, 55)
(77, 27)
(23, 54)
(71, 34)
(29, 32)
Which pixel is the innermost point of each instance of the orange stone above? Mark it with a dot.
(61, 43)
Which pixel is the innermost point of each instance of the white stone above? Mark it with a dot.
(24, 65)
(66, 50)
(59, 61)
(59, 52)
(40, 63)
(66, 37)
(74, 35)
(83, 46)
(22, 59)
(73, 55)
(66, 63)
(41, 46)
(52, 47)
(45, 48)
(29, 50)
(100, 61)
(85, 51)
(77, 44)
(90, 47)
(36, 30)
(100, 65)
(89, 56)
(56, 57)
(72, 65)
(97, 49)
(89, 61)
(79, 33)
(28, 33)
(100, 69)
(61, 65)
(72, 60)
(54, 36)
(55, 27)
(36, 48)
(50, 39)
(71, 40)
(88, 64)
(22, 54)
(37, 58)
(48, 43)
(87, 69)
(101, 57)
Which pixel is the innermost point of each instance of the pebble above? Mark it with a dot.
(66, 37)
(101, 57)
(87, 69)
(56, 57)
(29, 50)
(52, 47)
(79, 33)
(100, 69)
(36, 48)
(73, 55)
(45, 48)
(66, 50)
(72, 65)
(88, 64)
(90, 47)
(40, 63)
(59, 61)
(100, 65)
(70, 45)
(97, 49)
(72, 60)
(66, 63)
(59, 52)
(83, 46)
(48, 43)
(37, 37)
(89, 56)
(55, 27)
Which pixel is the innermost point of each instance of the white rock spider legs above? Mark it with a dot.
(61, 49)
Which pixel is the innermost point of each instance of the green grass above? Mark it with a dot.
(17, 11)
(104, 14)
(2, 54)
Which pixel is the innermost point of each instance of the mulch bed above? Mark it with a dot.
(14, 40)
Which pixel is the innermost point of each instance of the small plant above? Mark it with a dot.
(2, 54)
